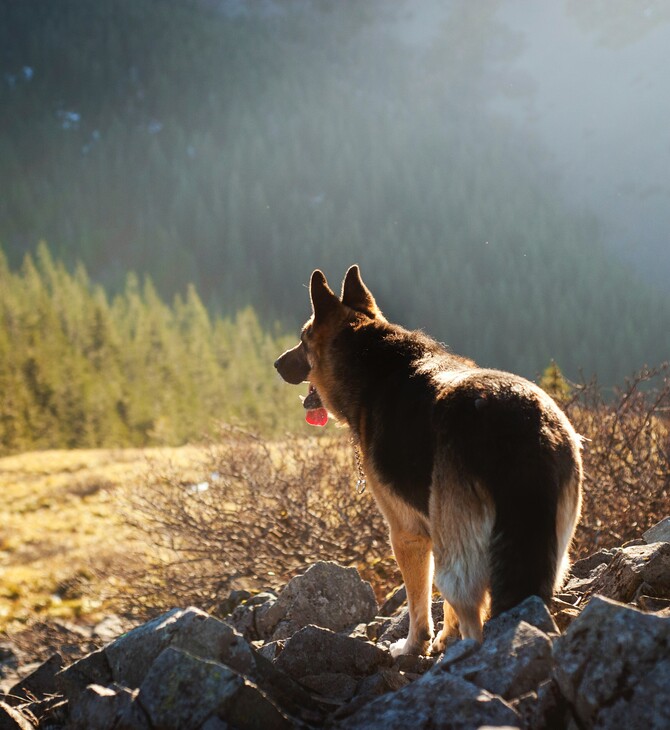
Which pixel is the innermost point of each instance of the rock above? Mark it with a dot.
(248, 618)
(314, 650)
(584, 567)
(228, 605)
(12, 719)
(380, 683)
(127, 660)
(334, 685)
(508, 664)
(272, 649)
(633, 566)
(326, 595)
(613, 667)
(438, 699)
(39, 683)
(107, 708)
(51, 712)
(393, 602)
(91, 669)
(532, 611)
(544, 708)
(653, 604)
(193, 630)
(461, 649)
(660, 532)
(386, 680)
(398, 626)
(181, 691)
(410, 664)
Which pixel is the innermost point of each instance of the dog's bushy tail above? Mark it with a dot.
(524, 546)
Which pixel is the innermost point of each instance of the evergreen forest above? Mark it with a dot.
(81, 369)
(222, 150)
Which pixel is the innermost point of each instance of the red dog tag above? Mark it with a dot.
(317, 417)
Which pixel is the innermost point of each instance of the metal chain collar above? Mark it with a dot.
(361, 482)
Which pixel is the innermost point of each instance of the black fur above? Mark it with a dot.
(495, 429)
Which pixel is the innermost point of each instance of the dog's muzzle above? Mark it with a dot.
(293, 365)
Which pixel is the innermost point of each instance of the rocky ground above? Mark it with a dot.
(316, 655)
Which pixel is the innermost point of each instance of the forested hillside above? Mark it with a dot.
(235, 150)
(78, 369)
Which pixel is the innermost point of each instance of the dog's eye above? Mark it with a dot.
(304, 335)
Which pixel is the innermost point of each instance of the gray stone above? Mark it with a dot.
(509, 664)
(633, 566)
(272, 649)
(457, 651)
(314, 650)
(181, 691)
(398, 626)
(39, 683)
(532, 611)
(334, 685)
(437, 699)
(215, 723)
(250, 617)
(411, 664)
(91, 669)
(326, 595)
(393, 603)
(192, 630)
(544, 708)
(386, 680)
(128, 659)
(106, 708)
(584, 567)
(613, 667)
(660, 532)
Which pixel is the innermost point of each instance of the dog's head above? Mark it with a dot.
(309, 359)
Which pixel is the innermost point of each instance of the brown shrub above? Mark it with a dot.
(626, 457)
(259, 512)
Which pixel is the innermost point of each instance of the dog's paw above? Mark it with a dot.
(398, 648)
(403, 646)
(440, 643)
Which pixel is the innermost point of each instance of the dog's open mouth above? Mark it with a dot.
(316, 414)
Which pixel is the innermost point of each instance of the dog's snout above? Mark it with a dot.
(276, 363)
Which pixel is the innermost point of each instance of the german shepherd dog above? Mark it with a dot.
(477, 472)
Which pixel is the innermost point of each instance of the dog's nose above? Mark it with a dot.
(277, 362)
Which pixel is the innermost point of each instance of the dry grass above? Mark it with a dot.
(64, 543)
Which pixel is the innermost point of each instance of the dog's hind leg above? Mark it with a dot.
(463, 586)
(413, 552)
(461, 522)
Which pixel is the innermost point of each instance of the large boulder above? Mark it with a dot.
(326, 595)
(636, 567)
(613, 667)
(437, 699)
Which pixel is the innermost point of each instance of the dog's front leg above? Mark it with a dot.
(414, 555)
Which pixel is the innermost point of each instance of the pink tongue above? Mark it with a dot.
(317, 417)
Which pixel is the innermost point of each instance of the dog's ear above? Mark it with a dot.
(356, 295)
(324, 301)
